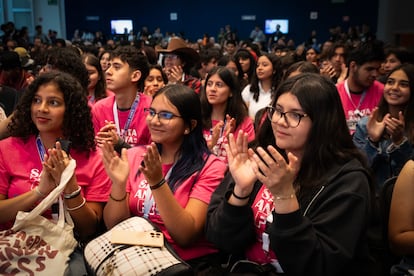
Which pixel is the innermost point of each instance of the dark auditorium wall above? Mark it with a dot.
(198, 17)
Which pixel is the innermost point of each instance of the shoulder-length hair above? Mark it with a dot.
(194, 148)
(276, 76)
(236, 107)
(329, 141)
(408, 109)
(77, 121)
(100, 88)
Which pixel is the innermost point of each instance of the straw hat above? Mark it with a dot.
(25, 59)
(178, 46)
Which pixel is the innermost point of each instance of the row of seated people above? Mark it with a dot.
(211, 173)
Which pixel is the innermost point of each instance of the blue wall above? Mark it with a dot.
(196, 18)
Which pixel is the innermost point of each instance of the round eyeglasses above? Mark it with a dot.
(292, 118)
(164, 117)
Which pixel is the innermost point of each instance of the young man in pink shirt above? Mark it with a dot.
(120, 118)
(361, 92)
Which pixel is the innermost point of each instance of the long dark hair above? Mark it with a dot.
(236, 107)
(100, 88)
(329, 141)
(408, 110)
(77, 121)
(276, 76)
(194, 148)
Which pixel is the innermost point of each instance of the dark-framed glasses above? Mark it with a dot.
(292, 118)
(163, 116)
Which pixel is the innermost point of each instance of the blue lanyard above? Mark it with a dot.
(221, 130)
(149, 199)
(130, 116)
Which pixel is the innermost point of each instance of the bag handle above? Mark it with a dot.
(52, 196)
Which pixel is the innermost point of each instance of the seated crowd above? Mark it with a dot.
(249, 160)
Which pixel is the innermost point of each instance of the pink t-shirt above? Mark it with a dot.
(219, 149)
(92, 100)
(137, 133)
(357, 106)
(20, 167)
(142, 204)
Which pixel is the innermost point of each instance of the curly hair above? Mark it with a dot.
(77, 122)
(68, 60)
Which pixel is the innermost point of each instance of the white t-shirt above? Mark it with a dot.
(263, 101)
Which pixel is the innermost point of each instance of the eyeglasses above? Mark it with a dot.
(164, 117)
(292, 118)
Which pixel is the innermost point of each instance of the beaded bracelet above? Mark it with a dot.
(77, 207)
(240, 197)
(73, 195)
(159, 184)
(118, 200)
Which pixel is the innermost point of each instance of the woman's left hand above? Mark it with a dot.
(152, 168)
(274, 172)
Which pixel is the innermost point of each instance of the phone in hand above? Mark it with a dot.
(65, 144)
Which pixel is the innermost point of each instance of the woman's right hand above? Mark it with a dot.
(116, 167)
(240, 165)
(375, 129)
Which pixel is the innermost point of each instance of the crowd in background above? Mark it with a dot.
(292, 142)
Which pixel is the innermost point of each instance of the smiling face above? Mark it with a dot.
(397, 89)
(168, 133)
(48, 110)
(289, 138)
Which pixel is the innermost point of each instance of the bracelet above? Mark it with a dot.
(73, 195)
(285, 197)
(77, 207)
(159, 184)
(240, 197)
(39, 192)
(118, 200)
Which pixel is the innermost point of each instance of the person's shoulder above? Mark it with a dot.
(104, 103)
(377, 86)
(216, 162)
(145, 99)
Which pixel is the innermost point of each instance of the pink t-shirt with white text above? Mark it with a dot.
(359, 105)
(137, 133)
(141, 202)
(20, 168)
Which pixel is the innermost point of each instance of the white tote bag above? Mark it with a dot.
(36, 245)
